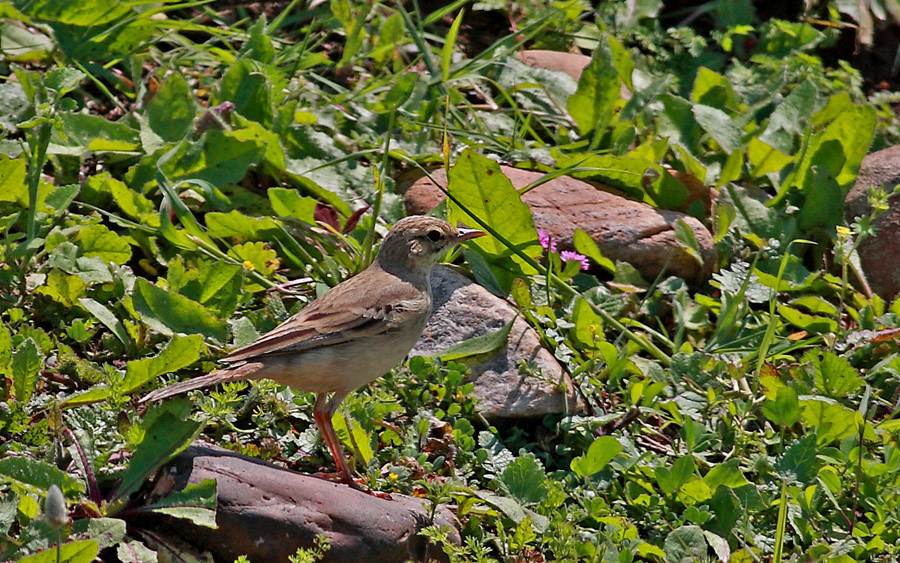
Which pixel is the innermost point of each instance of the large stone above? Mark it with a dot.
(623, 229)
(879, 255)
(266, 512)
(462, 310)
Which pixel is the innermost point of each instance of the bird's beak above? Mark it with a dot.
(468, 234)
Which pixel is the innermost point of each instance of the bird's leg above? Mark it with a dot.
(322, 414)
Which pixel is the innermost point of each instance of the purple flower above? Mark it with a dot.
(567, 255)
(546, 242)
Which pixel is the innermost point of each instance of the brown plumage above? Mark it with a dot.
(352, 334)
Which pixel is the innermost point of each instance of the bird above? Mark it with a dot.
(352, 334)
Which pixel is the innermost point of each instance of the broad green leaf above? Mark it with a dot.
(670, 479)
(236, 225)
(790, 117)
(588, 328)
(253, 131)
(170, 313)
(695, 491)
(26, 365)
(810, 323)
(718, 125)
(524, 479)
(5, 350)
(62, 288)
(834, 375)
(478, 189)
(592, 106)
(105, 316)
(180, 352)
(513, 510)
(686, 544)
(219, 157)
(831, 421)
(98, 240)
(37, 476)
(687, 241)
(584, 244)
(484, 344)
(58, 200)
(256, 256)
(764, 158)
(823, 205)
(732, 169)
(196, 503)
(713, 90)
(785, 409)
(598, 455)
(86, 133)
(727, 474)
(172, 111)
(166, 436)
(288, 203)
(79, 551)
(798, 463)
(84, 14)
(13, 186)
(249, 91)
(108, 532)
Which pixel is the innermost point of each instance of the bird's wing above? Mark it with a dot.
(354, 309)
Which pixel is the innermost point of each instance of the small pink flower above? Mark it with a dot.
(567, 255)
(546, 241)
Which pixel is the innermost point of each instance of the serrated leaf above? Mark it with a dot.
(37, 476)
(26, 365)
(61, 287)
(97, 240)
(799, 463)
(524, 479)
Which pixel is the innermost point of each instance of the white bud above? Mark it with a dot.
(55, 507)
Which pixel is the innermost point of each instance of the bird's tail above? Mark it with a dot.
(236, 373)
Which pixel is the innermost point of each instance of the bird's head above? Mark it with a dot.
(418, 242)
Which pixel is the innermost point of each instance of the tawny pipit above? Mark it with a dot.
(352, 334)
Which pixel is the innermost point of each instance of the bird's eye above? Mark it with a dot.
(434, 235)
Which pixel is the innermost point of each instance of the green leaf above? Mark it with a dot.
(171, 111)
(86, 133)
(5, 350)
(524, 479)
(831, 421)
(97, 240)
(834, 375)
(61, 287)
(257, 256)
(249, 91)
(727, 474)
(108, 532)
(288, 203)
(588, 329)
(600, 453)
(449, 43)
(13, 186)
(785, 409)
(196, 503)
(37, 476)
(484, 344)
(593, 104)
(236, 225)
(584, 244)
(671, 479)
(219, 158)
(478, 189)
(686, 544)
(105, 316)
(687, 241)
(799, 463)
(764, 158)
(713, 90)
(718, 125)
(809, 323)
(166, 436)
(79, 551)
(170, 313)
(26, 365)
(180, 352)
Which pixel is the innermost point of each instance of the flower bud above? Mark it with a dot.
(55, 507)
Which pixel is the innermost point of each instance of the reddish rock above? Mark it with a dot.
(462, 310)
(266, 512)
(572, 64)
(880, 254)
(623, 229)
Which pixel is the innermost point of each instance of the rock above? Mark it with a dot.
(879, 255)
(463, 309)
(623, 229)
(267, 512)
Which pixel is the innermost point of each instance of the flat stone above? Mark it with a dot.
(463, 309)
(266, 512)
(623, 229)
(879, 255)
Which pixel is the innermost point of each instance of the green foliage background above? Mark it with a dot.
(164, 166)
